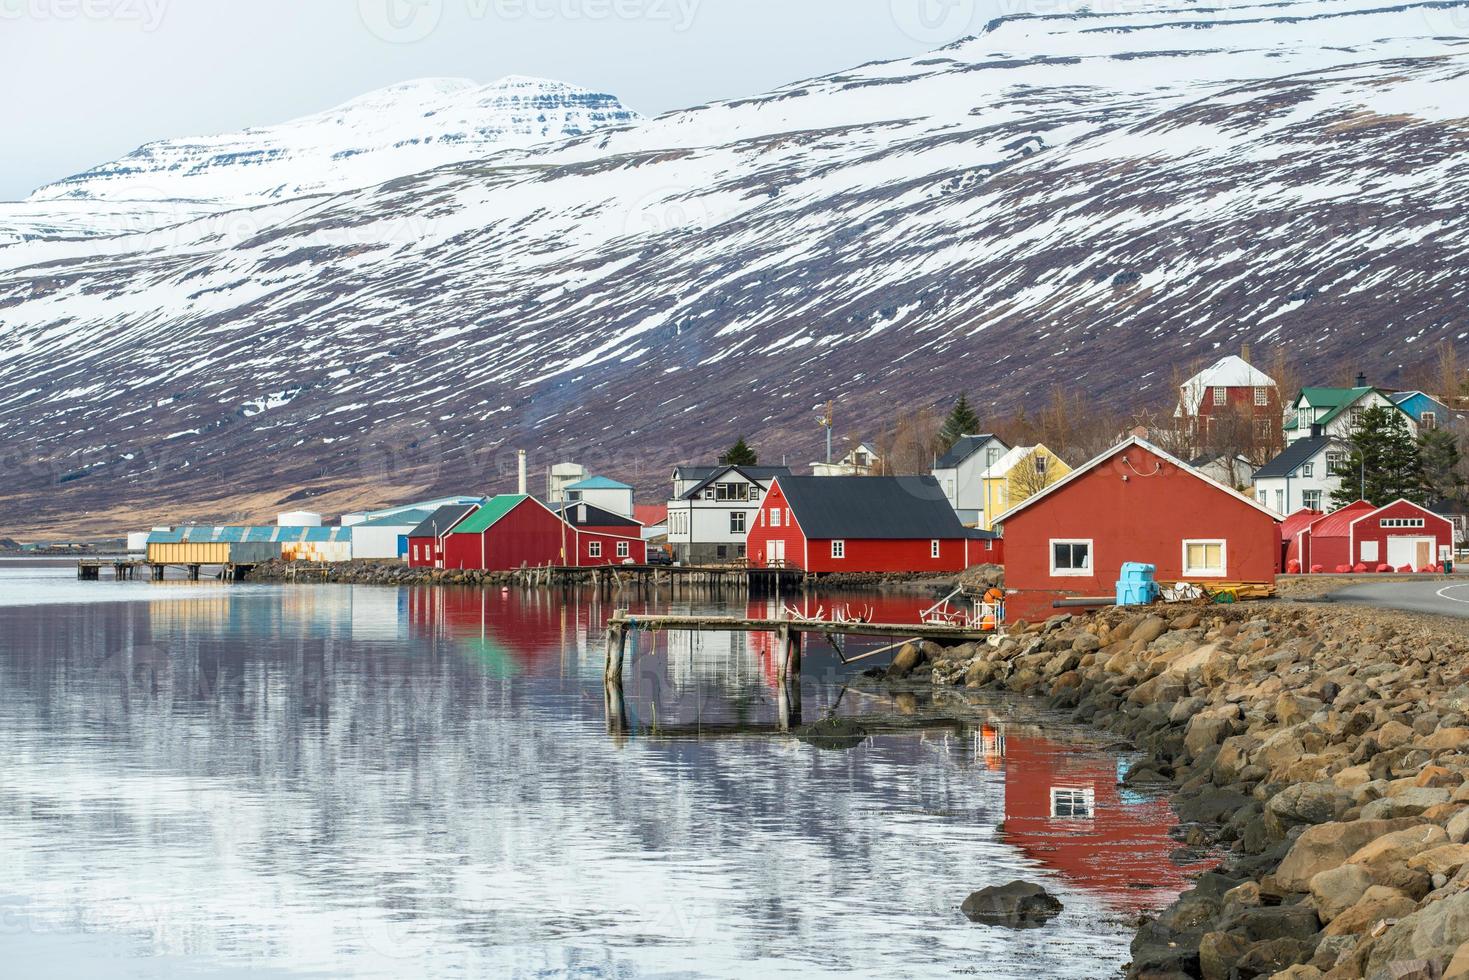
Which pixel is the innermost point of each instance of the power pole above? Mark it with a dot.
(827, 422)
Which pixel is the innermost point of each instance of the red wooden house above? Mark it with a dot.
(426, 542)
(514, 530)
(1399, 537)
(1136, 503)
(864, 524)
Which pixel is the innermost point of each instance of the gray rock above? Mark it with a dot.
(1018, 905)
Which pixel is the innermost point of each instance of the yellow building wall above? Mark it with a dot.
(1017, 486)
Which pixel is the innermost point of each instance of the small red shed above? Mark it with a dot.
(426, 542)
(1402, 536)
(1137, 503)
(600, 548)
(1292, 532)
(864, 524)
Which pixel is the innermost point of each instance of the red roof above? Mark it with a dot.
(1338, 524)
(650, 515)
(1298, 522)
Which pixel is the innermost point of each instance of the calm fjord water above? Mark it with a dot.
(210, 780)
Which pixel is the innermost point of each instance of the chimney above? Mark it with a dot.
(1361, 380)
(524, 482)
(1244, 353)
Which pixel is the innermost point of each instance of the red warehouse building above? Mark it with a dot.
(1401, 536)
(1292, 532)
(426, 542)
(1136, 503)
(864, 524)
(514, 530)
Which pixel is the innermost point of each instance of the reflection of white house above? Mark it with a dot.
(860, 461)
(960, 473)
(713, 508)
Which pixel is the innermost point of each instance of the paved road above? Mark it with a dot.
(1440, 597)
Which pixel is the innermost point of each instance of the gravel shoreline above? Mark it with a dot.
(1324, 749)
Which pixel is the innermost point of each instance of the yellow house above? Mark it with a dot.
(1016, 476)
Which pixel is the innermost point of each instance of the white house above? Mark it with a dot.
(960, 473)
(1304, 476)
(862, 460)
(383, 534)
(602, 492)
(1335, 411)
(713, 508)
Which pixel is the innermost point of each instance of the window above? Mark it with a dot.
(991, 457)
(1221, 396)
(1311, 500)
(1429, 420)
(1073, 802)
(839, 549)
(1042, 465)
(721, 552)
(859, 458)
(1308, 470)
(1357, 418)
(1071, 558)
(775, 517)
(732, 491)
(1262, 397)
(933, 549)
(594, 549)
(1262, 429)
(1399, 522)
(1333, 463)
(1370, 551)
(415, 552)
(737, 522)
(1280, 501)
(1204, 558)
(623, 549)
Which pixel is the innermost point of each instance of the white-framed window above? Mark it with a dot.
(1280, 501)
(839, 549)
(1204, 559)
(594, 548)
(624, 549)
(1073, 802)
(415, 552)
(1311, 499)
(1071, 557)
(1308, 470)
(1333, 462)
(1262, 397)
(775, 517)
(933, 548)
(1042, 465)
(1399, 522)
(1221, 396)
(737, 522)
(1429, 420)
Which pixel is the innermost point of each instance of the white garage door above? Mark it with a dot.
(1417, 552)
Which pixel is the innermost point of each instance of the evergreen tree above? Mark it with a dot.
(962, 421)
(1439, 451)
(740, 454)
(1384, 463)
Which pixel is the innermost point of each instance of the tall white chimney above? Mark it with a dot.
(524, 482)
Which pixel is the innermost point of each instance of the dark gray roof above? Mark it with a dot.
(755, 474)
(596, 516)
(442, 521)
(857, 507)
(1301, 451)
(966, 446)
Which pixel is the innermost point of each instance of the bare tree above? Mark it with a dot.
(1031, 475)
(910, 445)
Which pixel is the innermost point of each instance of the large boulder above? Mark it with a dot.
(1305, 804)
(1219, 952)
(1377, 904)
(1327, 846)
(1149, 630)
(1018, 905)
(1338, 889)
(1394, 848)
(1434, 933)
(907, 660)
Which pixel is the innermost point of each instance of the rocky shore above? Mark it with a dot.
(1322, 750)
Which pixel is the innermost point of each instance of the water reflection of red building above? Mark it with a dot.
(1064, 808)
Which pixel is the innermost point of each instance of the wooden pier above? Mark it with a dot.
(127, 569)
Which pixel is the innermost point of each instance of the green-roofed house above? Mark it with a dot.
(514, 531)
(1334, 412)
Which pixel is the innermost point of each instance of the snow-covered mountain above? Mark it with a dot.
(1081, 199)
(395, 131)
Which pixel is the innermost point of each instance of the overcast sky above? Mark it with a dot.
(86, 81)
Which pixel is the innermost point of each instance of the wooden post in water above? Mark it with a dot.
(783, 653)
(616, 650)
